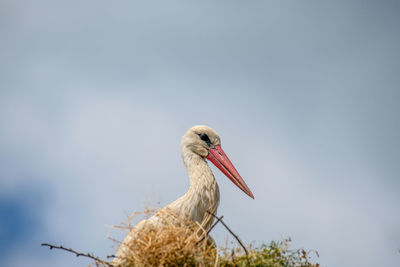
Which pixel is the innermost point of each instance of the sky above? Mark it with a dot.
(95, 96)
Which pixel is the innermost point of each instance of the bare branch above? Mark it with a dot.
(209, 230)
(88, 255)
(230, 231)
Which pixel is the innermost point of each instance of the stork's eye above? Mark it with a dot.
(205, 138)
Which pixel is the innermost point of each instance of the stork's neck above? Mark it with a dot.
(203, 193)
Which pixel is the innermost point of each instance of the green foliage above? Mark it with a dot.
(275, 254)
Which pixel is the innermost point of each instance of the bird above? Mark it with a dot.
(199, 144)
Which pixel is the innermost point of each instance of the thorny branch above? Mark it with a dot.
(88, 255)
(91, 256)
(230, 231)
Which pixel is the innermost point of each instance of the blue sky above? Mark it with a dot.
(95, 96)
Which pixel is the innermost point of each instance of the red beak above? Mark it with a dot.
(218, 157)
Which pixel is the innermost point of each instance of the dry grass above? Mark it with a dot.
(179, 243)
(173, 242)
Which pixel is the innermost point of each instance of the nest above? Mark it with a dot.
(178, 242)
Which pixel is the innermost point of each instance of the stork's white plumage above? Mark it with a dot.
(198, 144)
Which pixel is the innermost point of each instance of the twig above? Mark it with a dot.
(209, 230)
(230, 231)
(88, 255)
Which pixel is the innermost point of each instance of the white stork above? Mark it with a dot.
(198, 144)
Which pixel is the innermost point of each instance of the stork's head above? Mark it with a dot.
(205, 142)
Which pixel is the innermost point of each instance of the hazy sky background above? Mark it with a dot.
(95, 96)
